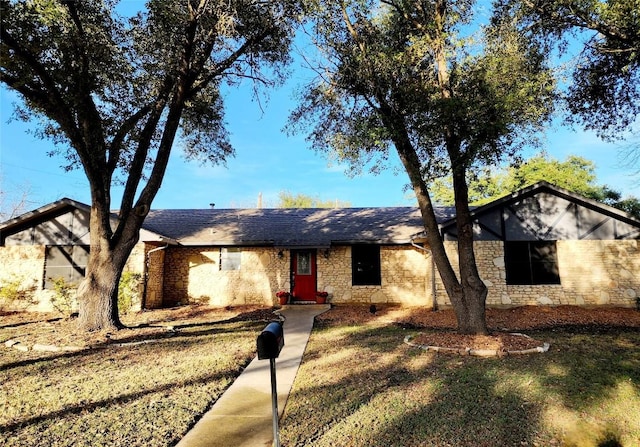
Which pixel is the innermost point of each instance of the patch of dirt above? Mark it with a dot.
(497, 341)
(511, 319)
(501, 323)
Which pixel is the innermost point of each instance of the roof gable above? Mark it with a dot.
(546, 212)
(541, 211)
(63, 222)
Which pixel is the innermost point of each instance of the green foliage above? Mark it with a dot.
(575, 173)
(604, 92)
(409, 75)
(287, 199)
(114, 92)
(14, 292)
(129, 293)
(63, 298)
(459, 98)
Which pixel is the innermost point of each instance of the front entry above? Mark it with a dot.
(303, 272)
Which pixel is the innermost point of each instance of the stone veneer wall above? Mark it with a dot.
(25, 263)
(153, 290)
(194, 275)
(405, 274)
(592, 272)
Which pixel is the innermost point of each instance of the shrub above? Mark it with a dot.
(63, 296)
(15, 293)
(129, 291)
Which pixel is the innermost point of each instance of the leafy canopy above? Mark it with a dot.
(497, 87)
(602, 40)
(575, 173)
(102, 85)
(287, 199)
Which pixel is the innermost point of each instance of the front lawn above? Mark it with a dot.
(146, 393)
(360, 386)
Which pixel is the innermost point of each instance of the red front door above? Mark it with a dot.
(303, 269)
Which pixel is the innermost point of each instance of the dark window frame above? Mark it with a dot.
(365, 265)
(65, 261)
(531, 263)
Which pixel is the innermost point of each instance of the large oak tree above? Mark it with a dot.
(115, 92)
(420, 77)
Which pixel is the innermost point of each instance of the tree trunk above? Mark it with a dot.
(98, 292)
(470, 307)
(467, 295)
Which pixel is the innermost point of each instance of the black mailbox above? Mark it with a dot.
(270, 341)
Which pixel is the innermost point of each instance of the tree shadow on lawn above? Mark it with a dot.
(589, 374)
(67, 375)
(26, 323)
(121, 399)
(468, 401)
(175, 338)
(446, 400)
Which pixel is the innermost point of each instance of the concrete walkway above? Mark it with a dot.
(242, 417)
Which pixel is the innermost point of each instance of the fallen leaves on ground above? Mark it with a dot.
(441, 324)
(50, 329)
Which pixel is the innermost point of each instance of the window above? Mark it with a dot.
(230, 258)
(531, 262)
(304, 263)
(365, 265)
(65, 261)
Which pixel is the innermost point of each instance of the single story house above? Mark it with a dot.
(541, 245)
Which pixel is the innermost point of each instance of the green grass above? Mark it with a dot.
(361, 386)
(145, 395)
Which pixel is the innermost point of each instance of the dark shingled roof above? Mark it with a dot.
(306, 227)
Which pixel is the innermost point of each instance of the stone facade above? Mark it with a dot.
(592, 272)
(26, 264)
(194, 275)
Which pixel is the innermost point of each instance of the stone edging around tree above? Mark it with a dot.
(478, 352)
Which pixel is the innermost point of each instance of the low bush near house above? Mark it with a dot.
(129, 292)
(15, 294)
(63, 298)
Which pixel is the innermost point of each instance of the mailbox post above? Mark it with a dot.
(270, 343)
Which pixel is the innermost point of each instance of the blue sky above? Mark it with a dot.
(267, 161)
